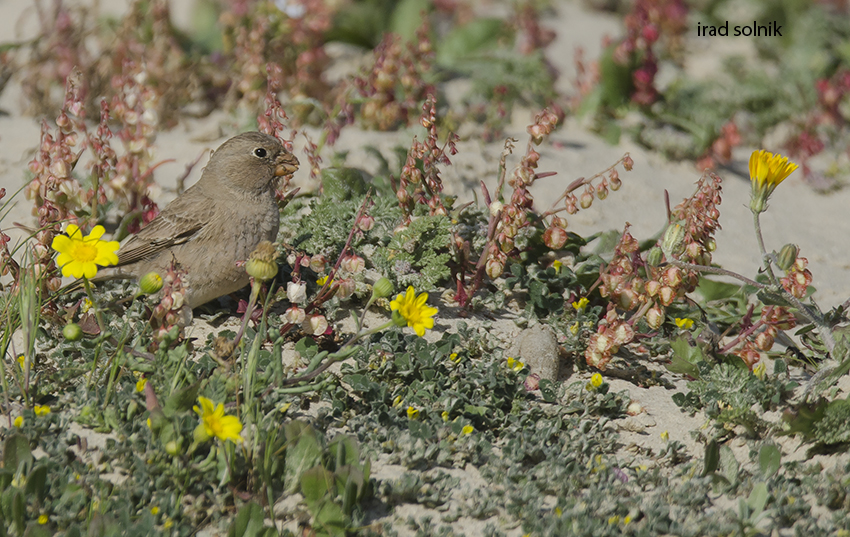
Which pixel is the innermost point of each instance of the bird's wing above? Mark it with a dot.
(183, 219)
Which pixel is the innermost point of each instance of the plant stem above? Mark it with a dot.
(716, 270)
(764, 257)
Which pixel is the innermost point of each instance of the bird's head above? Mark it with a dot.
(250, 162)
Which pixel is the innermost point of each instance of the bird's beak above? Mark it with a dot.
(286, 164)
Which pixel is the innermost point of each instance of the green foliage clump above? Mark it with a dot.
(417, 255)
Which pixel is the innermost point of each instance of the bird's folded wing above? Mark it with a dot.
(182, 220)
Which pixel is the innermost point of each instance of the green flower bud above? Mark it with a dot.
(262, 265)
(382, 288)
(72, 332)
(172, 448)
(150, 283)
(674, 239)
(200, 435)
(786, 256)
(653, 258)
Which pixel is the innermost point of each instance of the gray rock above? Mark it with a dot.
(538, 349)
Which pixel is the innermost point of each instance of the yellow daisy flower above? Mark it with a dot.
(79, 256)
(766, 172)
(215, 423)
(412, 310)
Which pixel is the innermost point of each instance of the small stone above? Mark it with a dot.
(538, 349)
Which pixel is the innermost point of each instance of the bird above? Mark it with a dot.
(216, 223)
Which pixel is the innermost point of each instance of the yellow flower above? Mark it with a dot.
(627, 520)
(86, 305)
(574, 328)
(580, 304)
(455, 358)
(154, 510)
(19, 422)
(614, 520)
(557, 265)
(467, 429)
(665, 436)
(760, 370)
(323, 280)
(515, 364)
(414, 311)
(684, 324)
(140, 384)
(215, 423)
(42, 519)
(596, 380)
(766, 172)
(445, 415)
(41, 410)
(412, 412)
(168, 523)
(79, 256)
(21, 359)
(397, 401)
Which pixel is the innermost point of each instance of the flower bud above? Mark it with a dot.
(382, 288)
(654, 257)
(296, 292)
(674, 238)
(150, 283)
(787, 256)
(555, 237)
(398, 319)
(262, 265)
(72, 332)
(172, 448)
(200, 435)
(655, 317)
(315, 325)
(294, 315)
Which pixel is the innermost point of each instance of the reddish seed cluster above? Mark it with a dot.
(170, 312)
(394, 87)
(134, 106)
(55, 193)
(657, 286)
(758, 337)
(423, 186)
(611, 334)
(797, 278)
(7, 264)
(531, 35)
(646, 24)
(720, 151)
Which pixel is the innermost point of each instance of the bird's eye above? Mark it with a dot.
(260, 152)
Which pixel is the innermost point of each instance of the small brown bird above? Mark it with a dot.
(216, 223)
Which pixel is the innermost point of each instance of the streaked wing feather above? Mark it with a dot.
(178, 223)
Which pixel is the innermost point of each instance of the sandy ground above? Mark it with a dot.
(818, 223)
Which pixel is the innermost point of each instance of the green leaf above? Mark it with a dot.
(729, 464)
(16, 453)
(758, 498)
(716, 290)
(712, 458)
(37, 531)
(406, 18)
(248, 522)
(304, 451)
(769, 460)
(344, 183)
(37, 481)
(548, 390)
(316, 483)
(463, 41)
(685, 358)
(181, 400)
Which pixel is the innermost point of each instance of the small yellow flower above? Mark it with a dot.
(19, 422)
(41, 410)
(21, 360)
(412, 413)
(557, 265)
(445, 415)
(766, 172)
(467, 429)
(43, 519)
(574, 328)
(284, 407)
(414, 311)
(760, 370)
(515, 364)
(455, 358)
(684, 324)
(154, 510)
(596, 380)
(168, 523)
(665, 436)
(627, 520)
(397, 401)
(614, 520)
(215, 423)
(86, 305)
(580, 304)
(79, 256)
(148, 421)
(140, 384)
(323, 280)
